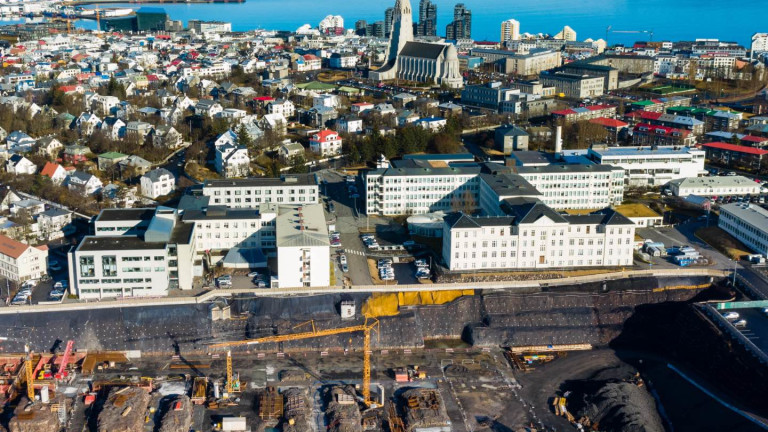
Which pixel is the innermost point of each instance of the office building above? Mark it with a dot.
(293, 189)
(200, 27)
(510, 30)
(748, 223)
(303, 247)
(574, 86)
(711, 186)
(151, 19)
(461, 26)
(533, 236)
(576, 186)
(20, 262)
(651, 166)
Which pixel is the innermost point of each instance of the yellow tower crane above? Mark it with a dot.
(366, 328)
(29, 370)
(233, 383)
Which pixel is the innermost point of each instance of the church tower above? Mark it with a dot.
(402, 28)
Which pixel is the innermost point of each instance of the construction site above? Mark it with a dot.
(552, 359)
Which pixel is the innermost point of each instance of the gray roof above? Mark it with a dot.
(309, 229)
(109, 215)
(54, 212)
(751, 214)
(422, 49)
(505, 185)
(155, 174)
(511, 130)
(108, 243)
(300, 180)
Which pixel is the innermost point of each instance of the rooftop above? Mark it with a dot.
(117, 243)
(114, 215)
(636, 211)
(288, 179)
(302, 226)
(749, 213)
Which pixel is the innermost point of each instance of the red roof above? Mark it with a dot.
(736, 148)
(564, 112)
(665, 129)
(755, 139)
(11, 247)
(49, 169)
(645, 115)
(609, 122)
(263, 98)
(599, 107)
(325, 134)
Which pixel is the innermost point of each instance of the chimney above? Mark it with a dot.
(558, 141)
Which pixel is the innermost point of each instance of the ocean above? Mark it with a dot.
(668, 20)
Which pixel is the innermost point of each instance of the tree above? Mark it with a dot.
(243, 138)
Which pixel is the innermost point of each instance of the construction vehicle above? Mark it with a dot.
(560, 409)
(62, 372)
(366, 328)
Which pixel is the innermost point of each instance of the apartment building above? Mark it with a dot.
(219, 228)
(574, 86)
(733, 155)
(533, 236)
(20, 262)
(651, 166)
(134, 253)
(585, 113)
(748, 223)
(291, 189)
(326, 143)
(644, 134)
(157, 183)
(576, 186)
(303, 247)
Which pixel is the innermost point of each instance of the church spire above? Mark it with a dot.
(402, 28)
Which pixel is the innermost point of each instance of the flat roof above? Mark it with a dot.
(749, 213)
(114, 215)
(559, 168)
(716, 181)
(636, 210)
(117, 243)
(643, 151)
(302, 226)
(286, 180)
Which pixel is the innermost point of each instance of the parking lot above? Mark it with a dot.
(756, 327)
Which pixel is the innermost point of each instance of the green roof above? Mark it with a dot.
(316, 85)
(644, 102)
(346, 89)
(112, 155)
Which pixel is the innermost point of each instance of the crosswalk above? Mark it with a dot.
(354, 252)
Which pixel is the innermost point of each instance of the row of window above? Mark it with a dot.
(278, 191)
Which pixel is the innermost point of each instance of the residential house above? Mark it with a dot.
(7, 199)
(55, 172)
(18, 164)
(113, 127)
(83, 183)
(53, 223)
(282, 106)
(19, 142)
(326, 143)
(319, 116)
(103, 105)
(166, 137)
(20, 261)
(31, 207)
(157, 183)
(208, 108)
(106, 160)
(274, 122)
(86, 123)
(135, 165)
(74, 154)
(433, 124)
(137, 131)
(406, 117)
(49, 147)
(349, 124)
(290, 151)
(232, 161)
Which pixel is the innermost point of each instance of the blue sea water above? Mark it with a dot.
(668, 19)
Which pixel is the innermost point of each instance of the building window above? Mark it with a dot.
(86, 266)
(109, 265)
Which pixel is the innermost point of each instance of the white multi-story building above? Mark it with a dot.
(201, 27)
(759, 44)
(303, 247)
(651, 166)
(222, 228)
(282, 106)
(510, 30)
(293, 189)
(326, 143)
(232, 161)
(20, 262)
(157, 183)
(748, 223)
(135, 253)
(576, 186)
(533, 236)
(714, 186)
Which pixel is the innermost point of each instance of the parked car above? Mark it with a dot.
(740, 323)
(54, 265)
(731, 315)
(343, 259)
(253, 274)
(344, 267)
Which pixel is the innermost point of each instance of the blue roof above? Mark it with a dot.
(633, 151)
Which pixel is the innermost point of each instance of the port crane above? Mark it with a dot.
(610, 30)
(367, 327)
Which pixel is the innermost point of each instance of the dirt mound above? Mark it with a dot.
(178, 417)
(124, 410)
(33, 418)
(619, 406)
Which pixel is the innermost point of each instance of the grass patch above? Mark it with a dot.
(723, 242)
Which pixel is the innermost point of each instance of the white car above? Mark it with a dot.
(343, 259)
(731, 315)
(740, 323)
(253, 274)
